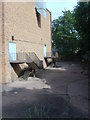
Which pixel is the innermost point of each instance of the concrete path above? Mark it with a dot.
(60, 92)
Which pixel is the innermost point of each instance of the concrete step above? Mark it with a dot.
(33, 65)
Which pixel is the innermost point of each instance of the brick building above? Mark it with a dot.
(24, 30)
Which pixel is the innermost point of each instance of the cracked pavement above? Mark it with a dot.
(67, 96)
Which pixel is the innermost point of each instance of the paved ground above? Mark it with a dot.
(64, 95)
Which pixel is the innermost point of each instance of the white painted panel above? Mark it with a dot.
(12, 51)
(45, 50)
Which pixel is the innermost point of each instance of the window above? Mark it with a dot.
(38, 15)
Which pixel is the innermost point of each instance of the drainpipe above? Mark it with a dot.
(51, 32)
(3, 47)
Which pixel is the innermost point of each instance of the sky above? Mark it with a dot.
(56, 7)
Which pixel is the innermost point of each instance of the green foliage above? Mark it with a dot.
(71, 33)
(64, 35)
(82, 16)
(38, 111)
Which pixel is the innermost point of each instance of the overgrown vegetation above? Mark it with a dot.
(65, 37)
(38, 111)
(82, 16)
(70, 32)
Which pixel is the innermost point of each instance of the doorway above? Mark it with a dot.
(12, 51)
(45, 50)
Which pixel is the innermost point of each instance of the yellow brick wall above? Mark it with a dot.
(0, 42)
(20, 21)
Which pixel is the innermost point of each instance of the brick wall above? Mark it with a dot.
(20, 21)
(0, 42)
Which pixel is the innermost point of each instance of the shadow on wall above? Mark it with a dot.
(16, 68)
(21, 71)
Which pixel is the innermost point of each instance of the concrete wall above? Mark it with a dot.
(20, 21)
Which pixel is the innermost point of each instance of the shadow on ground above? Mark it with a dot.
(67, 97)
(38, 104)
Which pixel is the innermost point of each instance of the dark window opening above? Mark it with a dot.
(38, 18)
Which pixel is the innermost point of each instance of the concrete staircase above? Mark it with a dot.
(51, 59)
(35, 62)
(29, 58)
